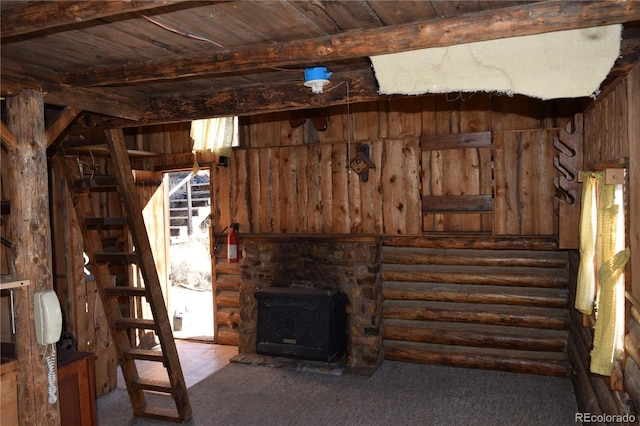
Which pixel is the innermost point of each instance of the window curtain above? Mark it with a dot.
(215, 135)
(586, 288)
(610, 259)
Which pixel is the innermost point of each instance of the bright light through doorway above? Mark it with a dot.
(189, 298)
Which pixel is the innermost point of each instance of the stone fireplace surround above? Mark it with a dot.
(350, 264)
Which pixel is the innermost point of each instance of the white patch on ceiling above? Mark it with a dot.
(563, 64)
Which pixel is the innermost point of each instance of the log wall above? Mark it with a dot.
(476, 302)
(612, 139)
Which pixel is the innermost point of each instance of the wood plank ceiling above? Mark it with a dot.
(140, 62)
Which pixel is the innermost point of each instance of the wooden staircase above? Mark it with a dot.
(495, 309)
(105, 260)
(185, 205)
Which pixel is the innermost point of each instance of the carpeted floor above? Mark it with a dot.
(398, 393)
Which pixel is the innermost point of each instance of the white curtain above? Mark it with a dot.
(215, 135)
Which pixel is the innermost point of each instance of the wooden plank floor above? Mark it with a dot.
(198, 360)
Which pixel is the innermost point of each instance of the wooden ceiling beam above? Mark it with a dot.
(36, 16)
(55, 130)
(9, 140)
(528, 19)
(244, 101)
(17, 77)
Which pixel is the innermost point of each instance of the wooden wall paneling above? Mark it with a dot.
(412, 156)
(515, 113)
(476, 116)
(428, 219)
(241, 207)
(256, 183)
(383, 118)
(633, 97)
(365, 196)
(59, 240)
(288, 200)
(340, 218)
(374, 189)
(338, 128)
(405, 117)
(276, 193)
(355, 196)
(326, 187)
(504, 208)
(365, 121)
(475, 113)
(267, 200)
(221, 200)
(302, 188)
(428, 118)
(393, 189)
(457, 180)
(537, 192)
(312, 183)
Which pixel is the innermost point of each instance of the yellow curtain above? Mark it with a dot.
(610, 260)
(586, 287)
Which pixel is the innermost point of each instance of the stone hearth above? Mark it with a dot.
(345, 263)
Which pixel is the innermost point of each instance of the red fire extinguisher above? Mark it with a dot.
(233, 241)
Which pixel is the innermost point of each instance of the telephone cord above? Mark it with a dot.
(51, 376)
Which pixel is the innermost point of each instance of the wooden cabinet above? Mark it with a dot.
(76, 389)
(9, 394)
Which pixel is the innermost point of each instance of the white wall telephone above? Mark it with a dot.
(47, 316)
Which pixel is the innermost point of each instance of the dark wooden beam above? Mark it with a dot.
(36, 16)
(531, 18)
(244, 101)
(8, 138)
(60, 125)
(17, 77)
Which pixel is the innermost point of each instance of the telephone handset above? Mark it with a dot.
(47, 316)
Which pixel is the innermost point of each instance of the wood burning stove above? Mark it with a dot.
(299, 322)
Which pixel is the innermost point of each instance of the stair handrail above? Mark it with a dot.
(180, 184)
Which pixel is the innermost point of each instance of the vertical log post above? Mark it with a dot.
(31, 236)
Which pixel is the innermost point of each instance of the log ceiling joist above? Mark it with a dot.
(88, 89)
(16, 77)
(243, 101)
(534, 18)
(34, 17)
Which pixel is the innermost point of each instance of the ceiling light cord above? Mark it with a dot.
(179, 32)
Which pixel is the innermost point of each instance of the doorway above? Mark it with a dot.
(189, 293)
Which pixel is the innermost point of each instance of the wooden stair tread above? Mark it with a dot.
(141, 323)
(158, 413)
(120, 257)
(162, 386)
(144, 355)
(97, 183)
(126, 291)
(105, 221)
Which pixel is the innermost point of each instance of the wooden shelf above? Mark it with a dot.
(7, 282)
